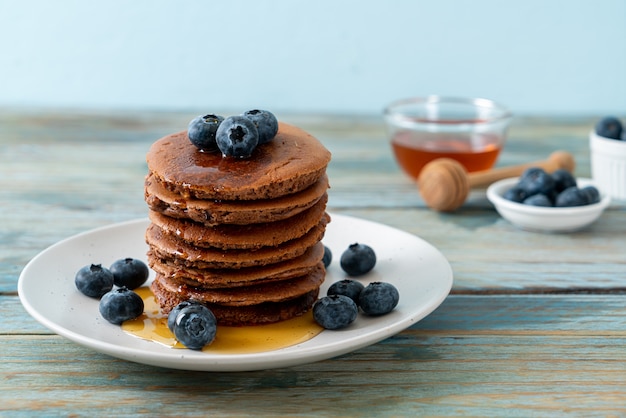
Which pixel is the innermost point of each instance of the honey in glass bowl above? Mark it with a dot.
(470, 131)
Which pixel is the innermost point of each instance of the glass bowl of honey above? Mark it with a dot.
(471, 131)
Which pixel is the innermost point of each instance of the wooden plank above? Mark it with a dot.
(15, 319)
(474, 356)
(489, 254)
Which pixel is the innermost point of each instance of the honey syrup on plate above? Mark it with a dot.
(152, 326)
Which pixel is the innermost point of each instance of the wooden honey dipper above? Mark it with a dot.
(445, 184)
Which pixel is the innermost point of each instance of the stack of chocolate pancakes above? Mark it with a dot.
(242, 236)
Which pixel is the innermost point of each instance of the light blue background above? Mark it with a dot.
(323, 56)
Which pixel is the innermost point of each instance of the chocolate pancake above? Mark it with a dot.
(248, 295)
(233, 278)
(215, 212)
(251, 236)
(289, 163)
(262, 313)
(169, 247)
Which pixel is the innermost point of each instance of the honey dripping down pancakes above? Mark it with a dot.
(240, 234)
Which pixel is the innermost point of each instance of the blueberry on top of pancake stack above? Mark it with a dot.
(238, 212)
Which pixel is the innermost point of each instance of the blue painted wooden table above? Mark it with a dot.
(535, 324)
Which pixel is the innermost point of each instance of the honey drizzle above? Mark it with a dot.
(152, 326)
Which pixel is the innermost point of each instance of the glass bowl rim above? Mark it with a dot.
(394, 117)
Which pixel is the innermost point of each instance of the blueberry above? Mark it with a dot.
(120, 305)
(195, 326)
(347, 287)
(515, 194)
(562, 180)
(237, 136)
(571, 196)
(379, 298)
(94, 280)
(609, 127)
(328, 256)
(201, 131)
(265, 122)
(538, 200)
(357, 259)
(171, 317)
(129, 272)
(535, 180)
(591, 193)
(335, 311)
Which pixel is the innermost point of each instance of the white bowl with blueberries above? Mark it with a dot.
(607, 143)
(543, 202)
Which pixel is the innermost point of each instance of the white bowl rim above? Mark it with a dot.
(495, 191)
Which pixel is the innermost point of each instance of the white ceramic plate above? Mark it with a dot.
(46, 288)
(546, 219)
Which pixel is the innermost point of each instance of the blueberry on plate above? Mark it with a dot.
(538, 200)
(202, 129)
(346, 287)
(609, 127)
(335, 311)
(265, 122)
(195, 326)
(237, 136)
(379, 298)
(171, 317)
(358, 259)
(563, 179)
(94, 280)
(535, 180)
(120, 305)
(571, 196)
(328, 256)
(129, 272)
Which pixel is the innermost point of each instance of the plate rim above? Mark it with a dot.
(291, 356)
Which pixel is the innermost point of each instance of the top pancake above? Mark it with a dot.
(289, 163)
